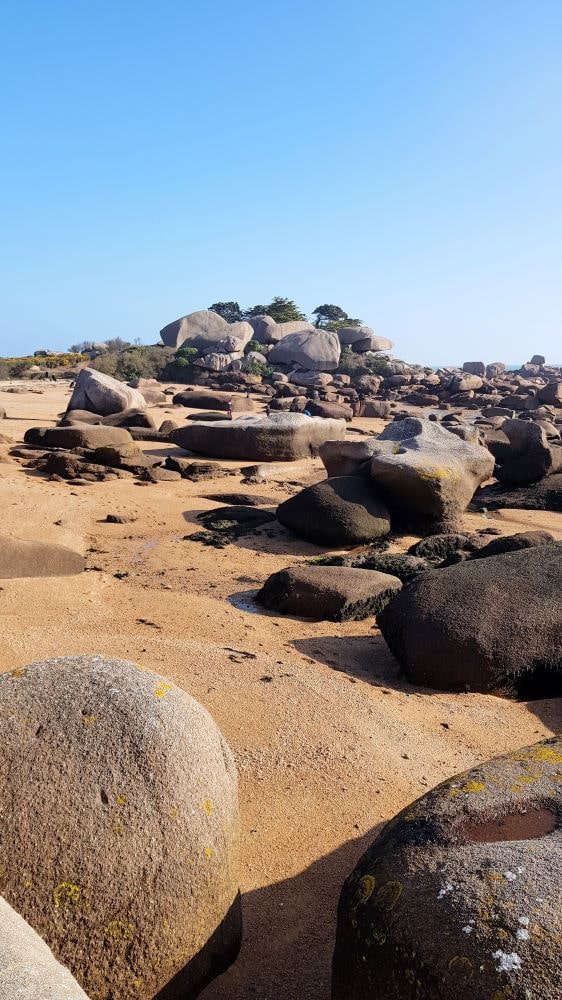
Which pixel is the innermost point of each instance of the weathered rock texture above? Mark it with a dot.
(459, 897)
(28, 968)
(344, 510)
(313, 350)
(279, 437)
(330, 593)
(103, 394)
(119, 826)
(491, 624)
(425, 473)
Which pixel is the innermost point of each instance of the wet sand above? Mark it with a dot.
(329, 740)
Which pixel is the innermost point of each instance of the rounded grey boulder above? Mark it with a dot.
(279, 437)
(119, 820)
(99, 393)
(28, 968)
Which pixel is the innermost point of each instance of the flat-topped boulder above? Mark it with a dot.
(363, 339)
(267, 331)
(487, 624)
(427, 474)
(313, 350)
(28, 968)
(119, 808)
(279, 437)
(328, 593)
(79, 436)
(204, 399)
(459, 897)
(98, 393)
(20, 557)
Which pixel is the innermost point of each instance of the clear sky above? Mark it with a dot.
(400, 159)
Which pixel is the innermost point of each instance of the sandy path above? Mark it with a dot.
(329, 741)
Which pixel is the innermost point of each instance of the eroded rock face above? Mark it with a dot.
(530, 456)
(346, 458)
(103, 394)
(489, 624)
(279, 437)
(20, 558)
(79, 436)
(28, 968)
(313, 350)
(341, 511)
(458, 898)
(118, 799)
(425, 473)
(328, 593)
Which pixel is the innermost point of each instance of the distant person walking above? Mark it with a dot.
(229, 407)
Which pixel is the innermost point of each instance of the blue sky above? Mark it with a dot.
(400, 159)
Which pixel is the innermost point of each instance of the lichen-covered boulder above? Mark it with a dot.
(103, 394)
(119, 826)
(459, 896)
(328, 593)
(279, 437)
(492, 624)
(28, 968)
(427, 474)
(21, 558)
(314, 350)
(341, 511)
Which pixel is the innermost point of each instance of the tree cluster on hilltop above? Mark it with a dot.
(282, 310)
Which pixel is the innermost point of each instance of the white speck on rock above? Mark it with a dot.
(468, 929)
(445, 890)
(524, 921)
(510, 876)
(507, 962)
(523, 934)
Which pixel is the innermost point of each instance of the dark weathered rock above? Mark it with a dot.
(119, 826)
(512, 543)
(341, 511)
(458, 896)
(79, 436)
(28, 968)
(19, 558)
(530, 455)
(205, 400)
(338, 411)
(238, 499)
(490, 624)
(279, 437)
(236, 519)
(436, 548)
(544, 495)
(398, 564)
(328, 593)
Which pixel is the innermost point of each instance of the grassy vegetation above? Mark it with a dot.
(19, 367)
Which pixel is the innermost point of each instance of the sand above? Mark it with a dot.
(329, 740)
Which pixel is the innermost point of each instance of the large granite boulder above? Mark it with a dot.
(79, 435)
(427, 474)
(336, 512)
(346, 458)
(207, 332)
(363, 338)
(474, 368)
(314, 350)
(530, 455)
(119, 817)
(492, 624)
(328, 593)
(551, 393)
(267, 331)
(459, 897)
(218, 361)
(103, 394)
(19, 558)
(280, 437)
(28, 968)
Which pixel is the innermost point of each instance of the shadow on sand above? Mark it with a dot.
(289, 933)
